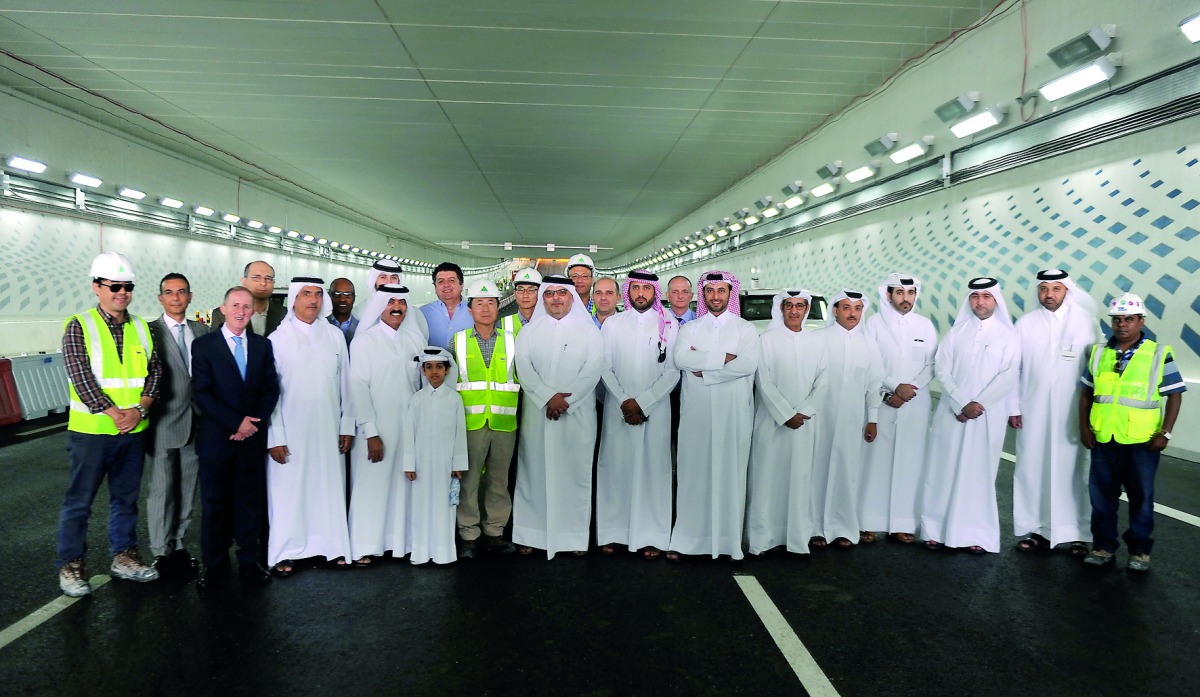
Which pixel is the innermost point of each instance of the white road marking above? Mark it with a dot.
(803, 665)
(45, 612)
(1158, 507)
(43, 428)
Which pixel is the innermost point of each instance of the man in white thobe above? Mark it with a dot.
(633, 471)
(719, 352)
(387, 271)
(1050, 485)
(560, 357)
(383, 378)
(791, 383)
(892, 475)
(848, 415)
(311, 429)
(977, 364)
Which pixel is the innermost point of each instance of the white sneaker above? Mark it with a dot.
(72, 579)
(128, 566)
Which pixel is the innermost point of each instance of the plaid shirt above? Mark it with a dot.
(79, 368)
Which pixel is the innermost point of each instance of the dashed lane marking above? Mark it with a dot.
(803, 665)
(45, 612)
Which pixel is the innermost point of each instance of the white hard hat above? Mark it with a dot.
(580, 260)
(112, 266)
(482, 288)
(529, 276)
(1126, 304)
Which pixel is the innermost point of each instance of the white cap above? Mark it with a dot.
(1126, 304)
(580, 260)
(112, 266)
(529, 276)
(482, 288)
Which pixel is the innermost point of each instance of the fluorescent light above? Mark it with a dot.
(823, 189)
(254, 224)
(750, 219)
(309, 238)
(700, 242)
(1090, 75)
(979, 122)
(202, 210)
(231, 218)
(170, 202)
(335, 244)
(274, 229)
(770, 212)
(293, 234)
(711, 237)
(864, 172)
(322, 241)
(721, 232)
(1191, 28)
(793, 201)
(355, 249)
(131, 193)
(345, 246)
(911, 152)
(26, 164)
(85, 180)
(734, 227)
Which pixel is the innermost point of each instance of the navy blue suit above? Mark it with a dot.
(233, 474)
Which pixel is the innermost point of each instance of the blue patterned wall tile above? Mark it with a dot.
(1116, 227)
(1154, 305)
(1169, 283)
(1162, 222)
(1173, 193)
(1141, 212)
(1192, 203)
(1123, 283)
(1190, 338)
(1137, 238)
(1189, 264)
(1116, 252)
(1162, 250)
(1099, 267)
(1085, 283)
(1140, 265)
(1186, 234)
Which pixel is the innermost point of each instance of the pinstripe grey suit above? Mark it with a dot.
(174, 466)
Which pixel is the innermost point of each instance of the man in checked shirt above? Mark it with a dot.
(113, 374)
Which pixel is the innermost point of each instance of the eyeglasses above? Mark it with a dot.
(580, 275)
(525, 290)
(117, 287)
(562, 292)
(260, 279)
(341, 294)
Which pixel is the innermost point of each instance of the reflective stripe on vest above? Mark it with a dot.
(122, 381)
(489, 395)
(1124, 407)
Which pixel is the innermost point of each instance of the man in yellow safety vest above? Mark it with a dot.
(113, 377)
(1121, 421)
(489, 390)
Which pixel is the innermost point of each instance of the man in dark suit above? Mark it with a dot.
(173, 467)
(236, 387)
(259, 278)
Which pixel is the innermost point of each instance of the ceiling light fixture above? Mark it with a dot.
(1191, 28)
(1100, 70)
(231, 218)
(85, 180)
(824, 188)
(254, 224)
(309, 238)
(961, 105)
(26, 164)
(1084, 46)
(322, 240)
(202, 210)
(131, 193)
(293, 234)
(170, 202)
(982, 121)
(274, 229)
(734, 227)
(721, 232)
(913, 151)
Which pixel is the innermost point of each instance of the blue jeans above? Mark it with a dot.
(92, 457)
(1115, 465)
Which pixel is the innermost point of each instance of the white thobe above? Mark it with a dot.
(791, 380)
(552, 505)
(716, 417)
(383, 378)
(892, 475)
(306, 496)
(1050, 484)
(851, 402)
(633, 471)
(975, 362)
(437, 446)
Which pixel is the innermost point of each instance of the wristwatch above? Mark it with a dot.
(146, 414)
(1165, 434)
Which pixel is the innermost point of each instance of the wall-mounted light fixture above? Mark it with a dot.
(913, 151)
(1191, 28)
(960, 106)
(864, 172)
(982, 121)
(81, 179)
(27, 165)
(1084, 46)
(830, 169)
(231, 218)
(882, 144)
(173, 203)
(203, 210)
(825, 188)
(1100, 70)
(126, 192)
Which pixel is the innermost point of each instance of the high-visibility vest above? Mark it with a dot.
(1125, 406)
(121, 380)
(489, 392)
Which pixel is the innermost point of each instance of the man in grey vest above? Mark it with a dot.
(174, 467)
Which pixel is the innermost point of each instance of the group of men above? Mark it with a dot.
(794, 439)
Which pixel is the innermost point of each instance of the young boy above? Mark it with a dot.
(438, 452)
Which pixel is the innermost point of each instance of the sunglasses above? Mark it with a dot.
(117, 287)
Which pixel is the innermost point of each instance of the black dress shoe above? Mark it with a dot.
(210, 577)
(254, 573)
(182, 560)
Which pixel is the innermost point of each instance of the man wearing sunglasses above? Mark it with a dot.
(113, 373)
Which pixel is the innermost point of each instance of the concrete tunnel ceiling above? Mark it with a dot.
(520, 121)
